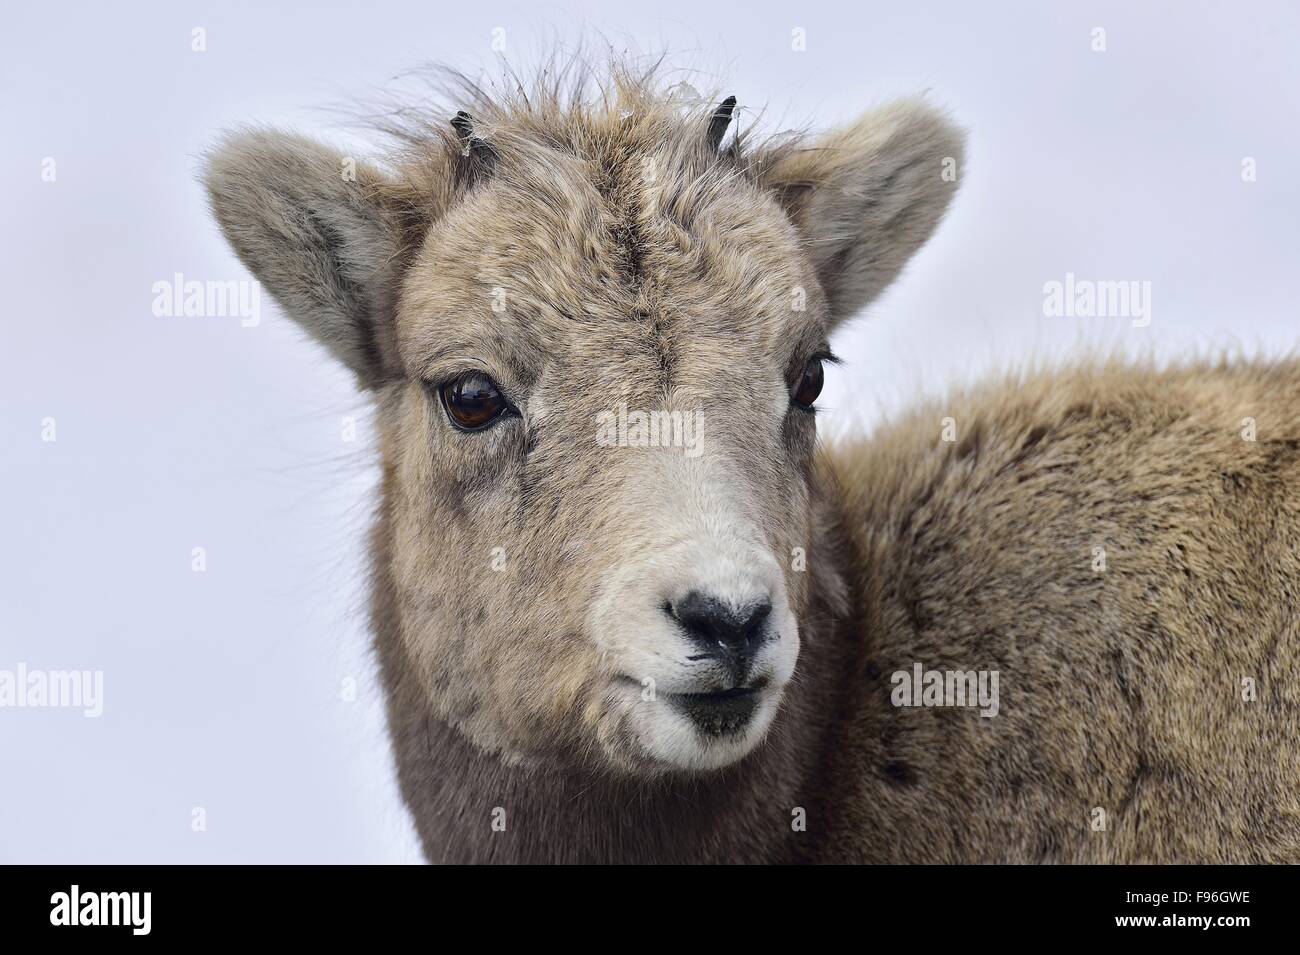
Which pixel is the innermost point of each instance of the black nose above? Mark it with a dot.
(722, 631)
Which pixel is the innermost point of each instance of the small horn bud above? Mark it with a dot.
(464, 127)
(471, 145)
(719, 122)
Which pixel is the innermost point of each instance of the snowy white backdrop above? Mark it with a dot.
(223, 690)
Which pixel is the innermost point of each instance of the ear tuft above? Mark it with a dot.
(865, 197)
(312, 225)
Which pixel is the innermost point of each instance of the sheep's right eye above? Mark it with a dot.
(809, 385)
(473, 401)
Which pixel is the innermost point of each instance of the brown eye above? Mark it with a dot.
(473, 402)
(809, 386)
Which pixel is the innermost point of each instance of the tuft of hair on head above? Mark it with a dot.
(593, 107)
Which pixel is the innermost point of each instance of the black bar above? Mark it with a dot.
(944, 905)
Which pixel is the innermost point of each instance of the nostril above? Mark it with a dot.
(717, 626)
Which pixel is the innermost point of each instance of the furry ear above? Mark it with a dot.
(866, 196)
(312, 225)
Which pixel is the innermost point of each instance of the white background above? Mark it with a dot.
(223, 689)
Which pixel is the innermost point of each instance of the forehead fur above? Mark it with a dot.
(600, 204)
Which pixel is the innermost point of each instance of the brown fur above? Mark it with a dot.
(1122, 689)
(637, 265)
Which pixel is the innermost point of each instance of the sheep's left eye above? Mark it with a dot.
(473, 401)
(809, 386)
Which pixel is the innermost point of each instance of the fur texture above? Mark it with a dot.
(587, 247)
(1122, 688)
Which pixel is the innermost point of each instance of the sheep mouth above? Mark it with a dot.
(720, 712)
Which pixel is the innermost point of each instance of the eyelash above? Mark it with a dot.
(826, 355)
